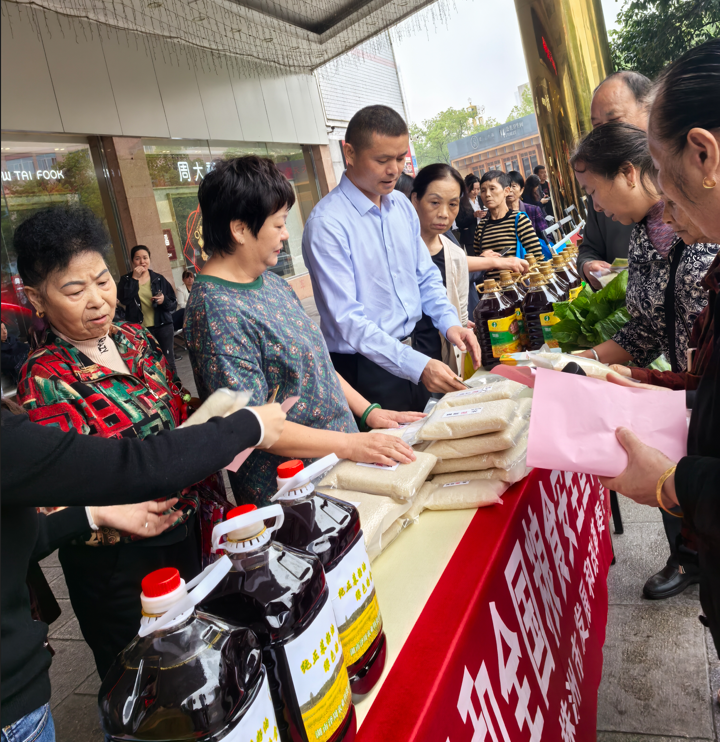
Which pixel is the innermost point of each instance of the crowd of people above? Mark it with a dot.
(394, 263)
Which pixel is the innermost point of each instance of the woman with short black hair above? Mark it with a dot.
(532, 192)
(149, 300)
(247, 330)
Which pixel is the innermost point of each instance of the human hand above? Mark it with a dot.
(488, 254)
(139, 271)
(145, 519)
(621, 380)
(516, 265)
(545, 199)
(379, 418)
(273, 420)
(645, 466)
(438, 377)
(595, 266)
(160, 298)
(471, 324)
(478, 213)
(367, 448)
(464, 339)
(620, 369)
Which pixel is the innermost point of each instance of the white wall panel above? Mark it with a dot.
(218, 100)
(317, 107)
(135, 86)
(24, 68)
(181, 97)
(277, 105)
(301, 108)
(80, 77)
(251, 109)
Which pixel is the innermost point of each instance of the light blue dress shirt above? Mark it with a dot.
(372, 276)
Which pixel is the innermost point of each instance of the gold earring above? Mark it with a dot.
(709, 183)
(632, 185)
(41, 314)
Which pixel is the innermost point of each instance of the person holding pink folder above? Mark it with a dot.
(684, 139)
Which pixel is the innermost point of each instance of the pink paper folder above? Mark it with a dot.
(240, 459)
(574, 418)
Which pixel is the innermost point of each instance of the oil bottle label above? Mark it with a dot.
(318, 671)
(574, 292)
(522, 329)
(504, 335)
(547, 320)
(354, 601)
(259, 723)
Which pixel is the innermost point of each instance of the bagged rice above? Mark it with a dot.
(512, 475)
(468, 420)
(503, 389)
(466, 494)
(558, 361)
(377, 516)
(401, 481)
(479, 444)
(418, 502)
(506, 459)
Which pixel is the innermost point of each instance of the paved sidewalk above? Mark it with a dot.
(660, 675)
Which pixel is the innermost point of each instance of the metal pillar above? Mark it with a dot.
(567, 55)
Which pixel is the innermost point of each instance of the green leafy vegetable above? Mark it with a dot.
(592, 317)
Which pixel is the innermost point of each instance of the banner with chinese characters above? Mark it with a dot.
(509, 646)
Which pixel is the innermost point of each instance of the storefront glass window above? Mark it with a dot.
(36, 175)
(176, 171)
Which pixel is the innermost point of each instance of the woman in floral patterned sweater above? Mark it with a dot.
(247, 330)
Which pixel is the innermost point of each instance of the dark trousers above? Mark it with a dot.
(178, 318)
(681, 553)
(165, 335)
(378, 385)
(104, 584)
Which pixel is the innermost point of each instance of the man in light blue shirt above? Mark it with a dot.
(372, 274)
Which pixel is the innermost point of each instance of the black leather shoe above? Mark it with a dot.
(669, 581)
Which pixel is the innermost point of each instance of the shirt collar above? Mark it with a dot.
(358, 199)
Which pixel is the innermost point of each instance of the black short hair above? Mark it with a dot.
(517, 178)
(187, 274)
(538, 168)
(370, 120)
(248, 188)
(137, 249)
(48, 240)
(639, 85)
(684, 93)
(497, 175)
(528, 194)
(606, 149)
(404, 184)
(437, 171)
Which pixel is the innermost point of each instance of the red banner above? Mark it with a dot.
(509, 645)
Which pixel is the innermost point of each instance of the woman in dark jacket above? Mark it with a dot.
(470, 210)
(45, 467)
(149, 300)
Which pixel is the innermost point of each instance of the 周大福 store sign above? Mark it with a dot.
(7, 175)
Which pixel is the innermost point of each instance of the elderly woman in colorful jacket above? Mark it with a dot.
(109, 380)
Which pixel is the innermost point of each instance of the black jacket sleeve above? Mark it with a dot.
(593, 245)
(696, 486)
(45, 466)
(465, 218)
(59, 528)
(128, 295)
(170, 301)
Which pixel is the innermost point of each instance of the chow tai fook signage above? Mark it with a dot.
(14, 175)
(194, 173)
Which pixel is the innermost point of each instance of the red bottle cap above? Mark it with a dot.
(240, 510)
(290, 468)
(161, 582)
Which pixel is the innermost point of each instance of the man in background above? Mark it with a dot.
(622, 97)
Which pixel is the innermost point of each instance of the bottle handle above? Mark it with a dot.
(315, 470)
(201, 587)
(248, 519)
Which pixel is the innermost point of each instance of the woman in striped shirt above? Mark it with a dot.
(502, 230)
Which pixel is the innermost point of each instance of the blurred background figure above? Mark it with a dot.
(14, 354)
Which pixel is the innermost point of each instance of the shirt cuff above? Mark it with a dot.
(448, 320)
(413, 364)
(260, 423)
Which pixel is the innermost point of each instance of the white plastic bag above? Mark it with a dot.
(462, 447)
(401, 481)
(512, 475)
(408, 432)
(494, 390)
(220, 403)
(466, 494)
(506, 459)
(377, 515)
(558, 361)
(469, 420)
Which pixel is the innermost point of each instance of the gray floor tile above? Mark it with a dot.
(52, 573)
(59, 587)
(655, 678)
(67, 614)
(69, 630)
(51, 561)
(90, 687)
(631, 512)
(72, 664)
(622, 737)
(76, 720)
(641, 552)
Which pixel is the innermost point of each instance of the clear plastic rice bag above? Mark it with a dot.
(469, 420)
(512, 475)
(408, 432)
(465, 494)
(220, 403)
(418, 502)
(494, 390)
(558, 361)
(506, 459)
(401, 481)
(463, 447)
(377, 516)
